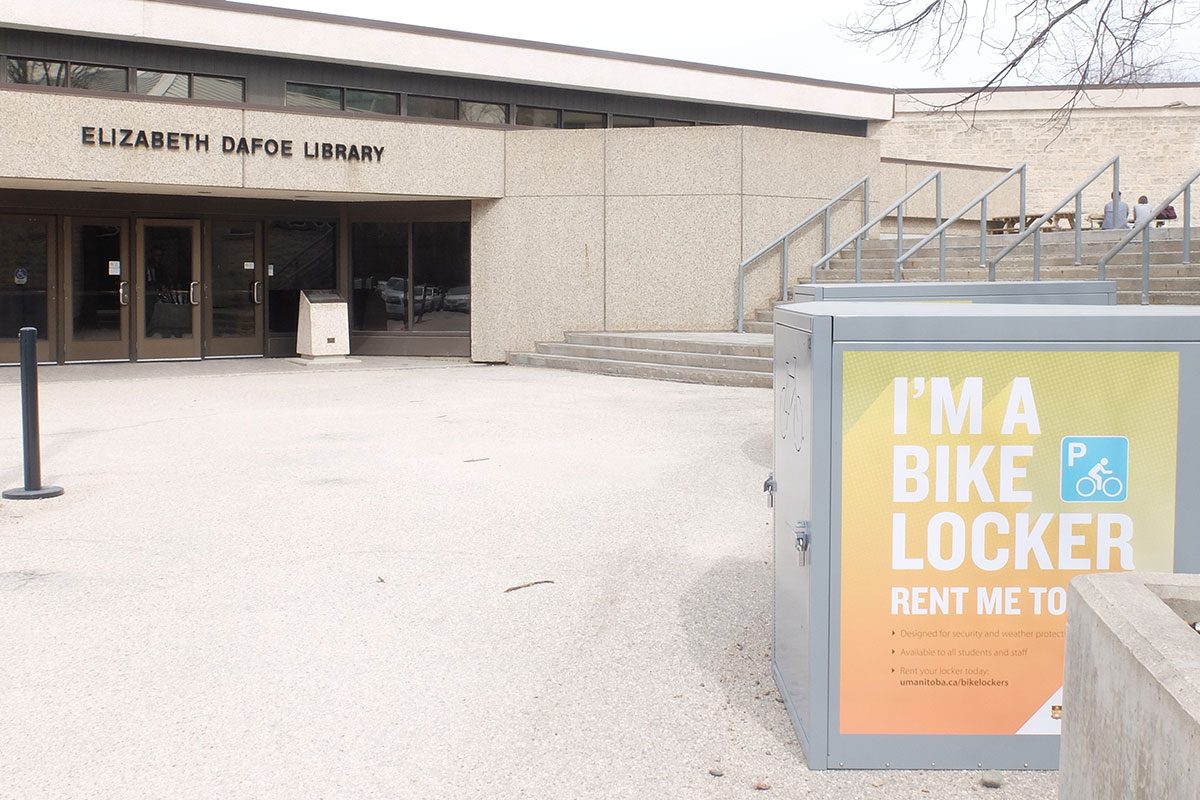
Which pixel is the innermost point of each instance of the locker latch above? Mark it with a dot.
(769, 488)
(802, 537)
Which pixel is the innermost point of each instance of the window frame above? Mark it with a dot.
(70, 84)
(404, 98)
(399, 100)
(605, 119)
(17, 57)
(133, 73)
(192, 86)
(558, 112)
(508, 110)
(341, 90)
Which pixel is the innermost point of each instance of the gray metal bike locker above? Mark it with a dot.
(1099, 293)
(814, 553)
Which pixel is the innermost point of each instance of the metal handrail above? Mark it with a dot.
(980, 200)
(824, 212)
(1143, 228)
(857, 237)
(1035, 228)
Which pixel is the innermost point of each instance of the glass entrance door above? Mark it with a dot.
(96, 296)
(26, 284)
(167, 289)
(234, 290)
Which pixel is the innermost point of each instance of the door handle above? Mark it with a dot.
(123, 293)
(256, 293)
(193, 292)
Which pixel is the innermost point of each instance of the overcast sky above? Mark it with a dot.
(800, 37)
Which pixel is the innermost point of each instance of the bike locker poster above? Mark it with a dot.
(975, 485)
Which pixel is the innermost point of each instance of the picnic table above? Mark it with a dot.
(1060, 220)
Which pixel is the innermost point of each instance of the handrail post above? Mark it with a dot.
(1078, 228)
(741, 317)
(824, 236)
(858, 260)
(1037, 254)
(783, 274)
(1116, 195)
(899, 234)
(866, 200)
(983, 204)
(937, 207)
(1187, 224)
(1021, 222)
(1146, 265)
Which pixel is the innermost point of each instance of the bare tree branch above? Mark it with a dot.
(1076, 44)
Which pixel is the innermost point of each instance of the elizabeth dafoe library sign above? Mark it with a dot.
(188, 141)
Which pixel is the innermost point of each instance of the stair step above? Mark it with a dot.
(755, 326)
(1007, 273)
(638, 369)
(1160, 298)
(1020, 259)
(653, 356)
(716, 343)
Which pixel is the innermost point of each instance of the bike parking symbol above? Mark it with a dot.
(1094, 469)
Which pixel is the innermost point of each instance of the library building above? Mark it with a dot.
(174, 173)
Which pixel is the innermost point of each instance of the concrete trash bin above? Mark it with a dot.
(941, 472)
(323, 332)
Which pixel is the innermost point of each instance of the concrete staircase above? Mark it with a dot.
(725, 359)
(731, 359)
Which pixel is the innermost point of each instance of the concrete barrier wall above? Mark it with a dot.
(643, 229)
(1131, 690)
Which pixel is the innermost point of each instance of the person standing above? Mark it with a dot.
(1118, 220)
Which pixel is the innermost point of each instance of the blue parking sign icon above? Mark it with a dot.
(1094, 469)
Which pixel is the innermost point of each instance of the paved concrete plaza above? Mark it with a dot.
(269, 580)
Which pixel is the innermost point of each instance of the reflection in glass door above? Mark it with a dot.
(26, 284)
(97, 296)
(235, 291)
(168, 289)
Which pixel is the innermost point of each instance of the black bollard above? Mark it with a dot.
(33, 489)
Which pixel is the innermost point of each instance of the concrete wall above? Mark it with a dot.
(1131, 691)
(643, 229)
(1157, 145)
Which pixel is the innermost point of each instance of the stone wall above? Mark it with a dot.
(1158, 148)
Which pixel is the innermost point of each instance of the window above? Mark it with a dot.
(537, 117)
(491, 113)
(104, 79)
(300, 254)
(372, 102)
(35, 71)
(620, 121)
(308, 96)
(379, 294)
(214, 87)
(435, 107)
(672, 123)
(575, 120)
(163, 84)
